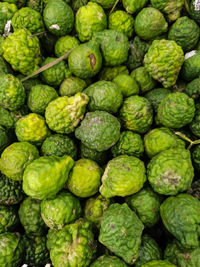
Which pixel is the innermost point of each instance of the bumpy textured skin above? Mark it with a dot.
(88, 153)
(72, 86)
(8, 218)
(59, 145)
(162, 55)
(30, 217)
(160, 263)
(176, 110)
(58, 17)
(104, 95)
(76, 4)
(108, 261)
(121, 232)
(36, 253)
(39, 97)
(194, 125)
(4, 138)
(160, 139)
(106, 4)
(150, 23)
(11, 250)
(196, 157)
(46, 176)
(73, 245)
(18, 46)
(16, 157)
(185, 32)
(109, 73)
(136, 114)
(123, 176)
(64, 113)
(31, 128)
(27, 18)
(65, 44)
(61, 210)
(194, 190)
(143, 79)
(4, 67)
(148, 251)
(156, 95)
(171, 171)
(181, 216)
(85, 60)
(133, 6)
(191, 67)
(99, 130)
(193, 88)
(127, 85)
(6, 13)
(121, 21)
(9, 118)
(18, 3)
(89, 19)
(37, 5)
(2, 38)
(192, 10)
(29, 83)
(146, 204)
(10, 191)
(12, 93)
(130, 144)
(95, 208)
(86, 184)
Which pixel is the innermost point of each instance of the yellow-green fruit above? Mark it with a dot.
(127, 85)
(65, 44)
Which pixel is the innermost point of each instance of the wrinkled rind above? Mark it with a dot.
(108, 261)
(72, 86)
(65, 44)
(109, 73)
(7, 10)
(160, 263)
(133, 6)
(106, 4)
(8, 218)
(8, 118)
(155, 96)
(127, 85)
(88, 153)
(191, 67)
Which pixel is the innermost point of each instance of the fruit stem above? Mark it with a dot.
(114, 6)
(192, 143)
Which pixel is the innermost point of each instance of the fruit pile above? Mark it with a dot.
(100, 133)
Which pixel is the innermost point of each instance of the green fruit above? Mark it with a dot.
(4, 67)
(150, 23)
(88, 183)
(76, 4)
(162, 55)
(11, 250)
(176, 110)
(85, 60)
(104, 95)
(10, 191)
(185, 32)
(99, 130)
(196, 157)
(30, 217)
(123, 176)
(109, 73)
(133, 6)
(106, 4)
(108, 261)
(18, 3)
(6, 13)
(9, 118)
(181, 217)
(160, 139)
(19, 45)
(194, 190)
(59, 145)
(12, 94)
(195, 125)
(143, 79)
(37, 5)
(88, 153)
(73, 245)
(64, 113)
(46, 176)
(155, 96)
(16, 157)
(127, 85)
(4, 139)
(193, 88)
(72, 86)
(2, 39)
(158, 263)
(191, 66)
(109, 41)
(8, 218)
(28, 83)
(192, 8)
(136, 114)
(31, 128)
(28, 18)
(130, 144)
(122, 22)
(58, 17)
(121, 232)
(90, 19)
(65, 44)
(60, 210)
(146, 205)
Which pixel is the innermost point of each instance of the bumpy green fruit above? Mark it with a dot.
(37, 5)
(4, 67)
(193, 88)
(18, 3)
(16, 157)
(121, 232)
(88, 153)
(72, 86)
(133, 6)
(4, 139)
(65, 44)
(106, 4)
(136, 114)
(176, 110)
(181, 217)
(191, 66)
(60, 210)
(123, 176)
(192, 8)
(108, 261)
(9, 118)
(127, 85)
(19, 45)
(162, 55)
(109, 73)
(64, 113)
(46, 176)
(196, 157)
(31, 128)
(8, 218)
(88, 183)
(155, 96)
(6, 13)
(85, 60)
(104, 95)
(73, 245)
(194, 125)
(160, 263)
(99, 130)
